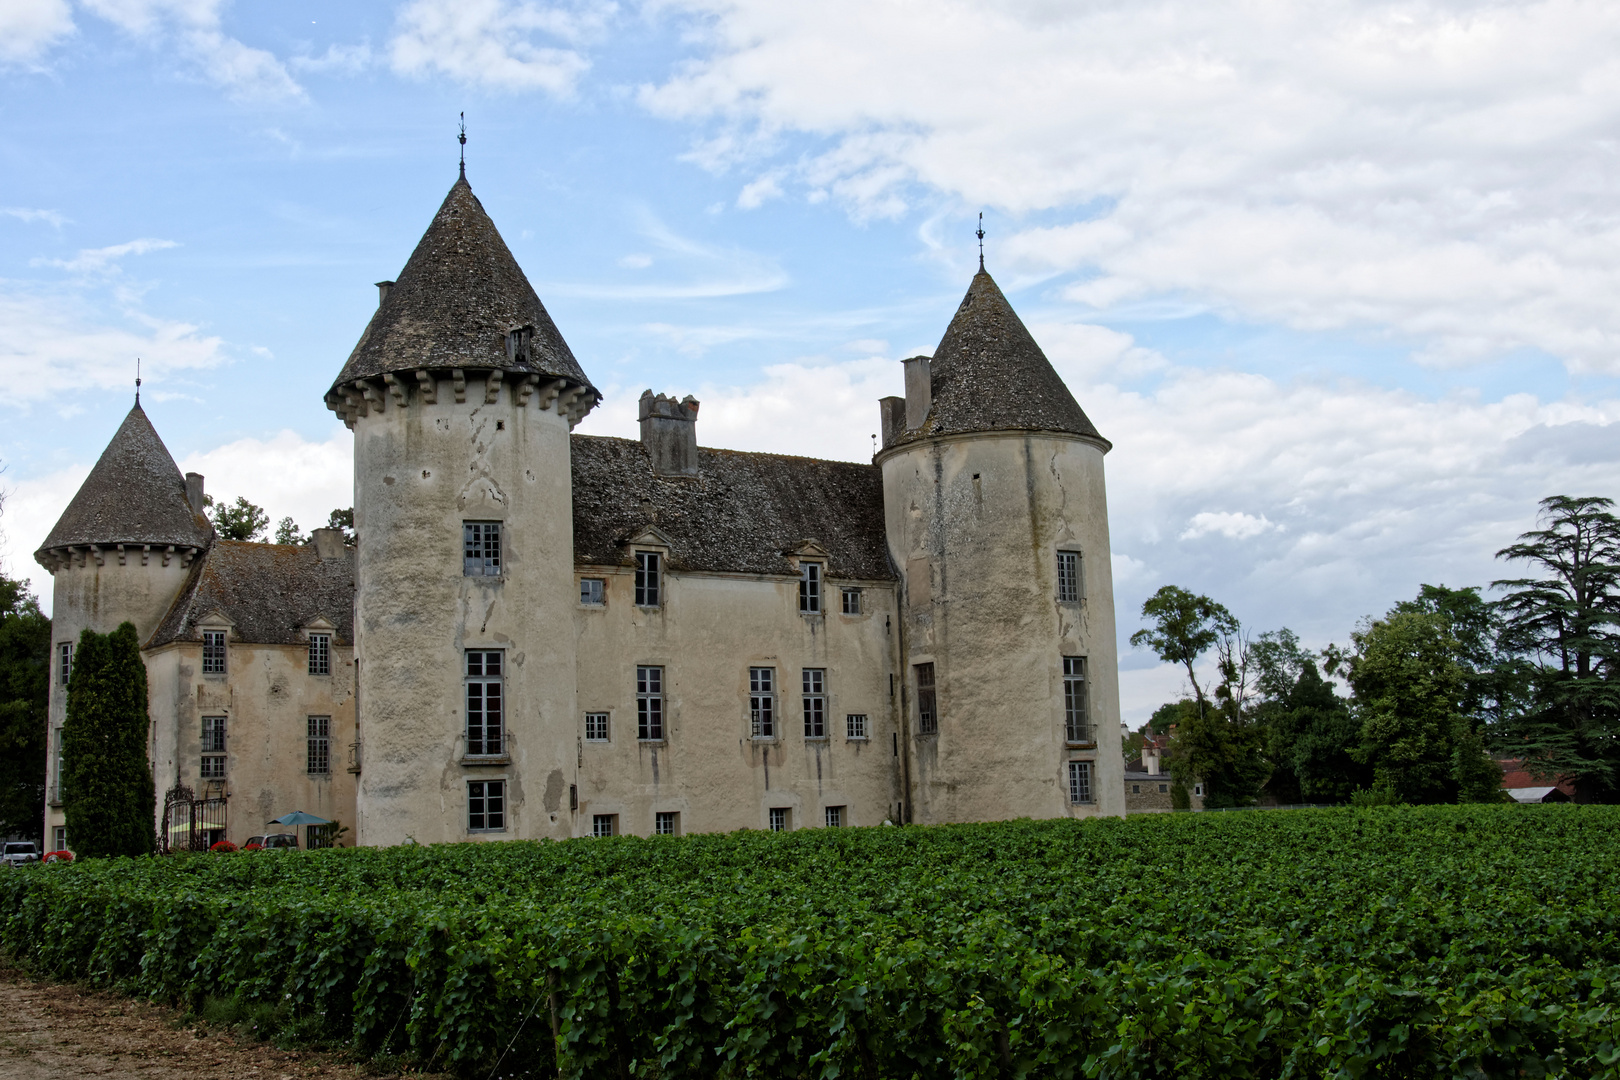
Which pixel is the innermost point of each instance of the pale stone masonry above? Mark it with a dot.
(543, 634)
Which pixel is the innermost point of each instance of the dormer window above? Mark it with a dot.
(649, 578)
(320, 654)
(810, 588)
(213, 657)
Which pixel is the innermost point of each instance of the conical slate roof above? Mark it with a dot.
(989, 375)
(459, 294)
(134, 495)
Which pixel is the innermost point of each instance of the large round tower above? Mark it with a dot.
(120, 552)
(998, 522)
(461, 394)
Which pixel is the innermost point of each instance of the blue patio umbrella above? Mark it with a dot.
(298, 817)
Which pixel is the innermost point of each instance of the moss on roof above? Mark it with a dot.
(269, 592)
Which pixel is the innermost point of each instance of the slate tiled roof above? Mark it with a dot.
(134, 495)
(459, 294)
(267, 591)
(990, 375)
(740, 513)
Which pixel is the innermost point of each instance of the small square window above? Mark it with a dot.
(481, 548)
(667, 823)
(835, 817)
(1136, 789)
(604, 824)
(320, 654)
(213, 659)
(649, 579)
(592, 591)
(781, 819)
(852, 601)
(486, 805)
(855, 726)
(596, 727)
(1163, 788)
(1079, 782)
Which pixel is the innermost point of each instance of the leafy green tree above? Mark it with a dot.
(240, 520)
(1185, 627)
(108, 793)
(342, 519)
(1491, 684)
(25, 654)
(1312, 734)
(288, 532)
(1563, 627)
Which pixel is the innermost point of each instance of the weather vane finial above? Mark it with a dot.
(463, 138)
(980, 235)
(137, 380)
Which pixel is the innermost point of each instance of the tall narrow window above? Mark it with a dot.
(485, 703)
(648, 574)
(780, 820)
(64, 662)
(649, 703)
(486, 805)
(320, 654)
(1079, 782)
(815, 703)
(481, 548)
(927, 713)
(762, 702)
(1070, 584)
(1076, 716)
(852, 601)
(596, 727)
(667, 823)
(59, 838)
(56, 782)
(319, 756)
(604, 824)
(213, 652)
(213, 748)
(835, 817)
(855, 726)
(810, 588)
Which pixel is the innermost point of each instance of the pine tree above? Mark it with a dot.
(109, 796)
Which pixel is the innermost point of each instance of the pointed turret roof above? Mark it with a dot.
(460, 293)
(988, 374)
(134, 495)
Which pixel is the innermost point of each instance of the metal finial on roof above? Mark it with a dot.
(463, 138)
(137, 380)
(980, 235)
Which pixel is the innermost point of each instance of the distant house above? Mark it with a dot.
(1526, 787)
(1147, 784)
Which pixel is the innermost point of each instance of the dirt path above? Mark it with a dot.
(50, 1031)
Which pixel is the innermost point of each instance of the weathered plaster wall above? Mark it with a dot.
(975, 523)
(709, 631)
(421, 469)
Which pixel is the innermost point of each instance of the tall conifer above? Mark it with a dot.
(109, 796)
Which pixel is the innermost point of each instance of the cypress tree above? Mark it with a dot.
(109, 798)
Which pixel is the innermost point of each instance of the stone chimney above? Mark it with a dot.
(382, 291)
(194, 491)
(328, 543)
(892, 416)
(919, 392)
(669, 432)
(1150, 756)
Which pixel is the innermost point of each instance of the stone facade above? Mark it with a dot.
(544, 634)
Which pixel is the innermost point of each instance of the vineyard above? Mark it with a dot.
(1412, 942)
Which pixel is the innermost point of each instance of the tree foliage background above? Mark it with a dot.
(25, 657)
(108, 794)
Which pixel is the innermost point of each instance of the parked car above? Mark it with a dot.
(18, 852)
(279, 840)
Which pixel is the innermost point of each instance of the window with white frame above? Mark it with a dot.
(486, 703)
(1076, 714)
(855, 726)
(596, 727)
(649, 579)
(213, 660)
(810, 588)
(815, 703)
(649, 703)
(835, 817)
(486, 805)
(852, 601)
(64, 663)
(319, 746)
(604, 824)
(781, 819)
(1071, 586)
(213, 748)
(762, 702)
(481, 548)
(1198, 790)
(1079, 782)
(927, 711)
(667, 823)
(592, 591)
(59, 838)
(320, 654)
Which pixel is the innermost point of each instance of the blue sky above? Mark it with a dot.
(1337, 279)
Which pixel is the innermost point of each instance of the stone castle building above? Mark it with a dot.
(543, 634)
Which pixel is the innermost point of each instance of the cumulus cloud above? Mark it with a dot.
(1435, 172)
(492, 43)
(28, 29)
(1233, 526)
(196, 28)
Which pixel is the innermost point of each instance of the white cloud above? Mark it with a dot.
(28, 510)
(95, 260)
(1438, 172)
(491, 43)
(30, 215)
(1233, 526)
(344, 59)
(244, 72)
(28, 29)
(636, 262)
